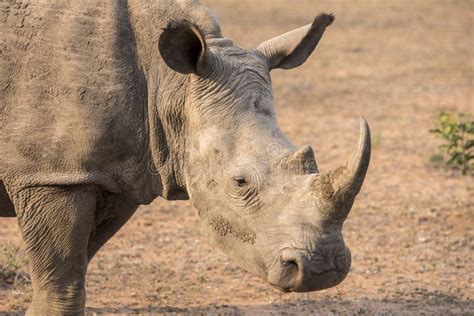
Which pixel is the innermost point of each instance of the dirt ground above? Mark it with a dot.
(411, 230)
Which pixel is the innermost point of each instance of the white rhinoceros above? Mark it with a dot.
(106, 105)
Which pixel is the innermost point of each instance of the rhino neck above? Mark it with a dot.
(166, 128)
(166, 90)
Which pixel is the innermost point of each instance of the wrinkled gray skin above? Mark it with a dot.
(107, 105)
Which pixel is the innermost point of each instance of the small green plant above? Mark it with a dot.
(457, 130)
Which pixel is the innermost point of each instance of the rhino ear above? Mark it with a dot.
(291, 49)
(183, 47)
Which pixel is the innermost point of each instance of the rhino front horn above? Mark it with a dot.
(335, 191)
(350, 181)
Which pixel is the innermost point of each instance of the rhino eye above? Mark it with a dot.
(243, 188)
(240, 181)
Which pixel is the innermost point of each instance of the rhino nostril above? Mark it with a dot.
(290, 270)
(288, 263)
(289, 260)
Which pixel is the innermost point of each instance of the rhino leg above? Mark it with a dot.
(56, 223)
(115, 214)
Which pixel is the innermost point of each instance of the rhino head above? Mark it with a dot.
(264, 202)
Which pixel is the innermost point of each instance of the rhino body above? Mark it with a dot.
(106, 105)
(78, 93)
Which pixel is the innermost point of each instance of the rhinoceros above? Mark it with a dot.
(107, 105)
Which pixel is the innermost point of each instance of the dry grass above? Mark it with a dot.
(13, 266)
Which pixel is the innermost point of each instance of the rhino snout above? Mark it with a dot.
(299, 270)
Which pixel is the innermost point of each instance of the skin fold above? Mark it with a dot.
(106, 105)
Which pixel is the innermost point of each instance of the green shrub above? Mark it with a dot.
(457, 131)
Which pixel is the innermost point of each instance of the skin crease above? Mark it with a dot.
(104, 113)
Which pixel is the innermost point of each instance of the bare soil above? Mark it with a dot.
(411, 230)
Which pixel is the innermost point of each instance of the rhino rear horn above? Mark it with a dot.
(183, 48)
(301, 161)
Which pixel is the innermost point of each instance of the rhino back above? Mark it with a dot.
(72, 95)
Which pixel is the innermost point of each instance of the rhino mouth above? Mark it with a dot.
(327, 280)
(297, 272)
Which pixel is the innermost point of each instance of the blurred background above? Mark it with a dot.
(397, 63)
